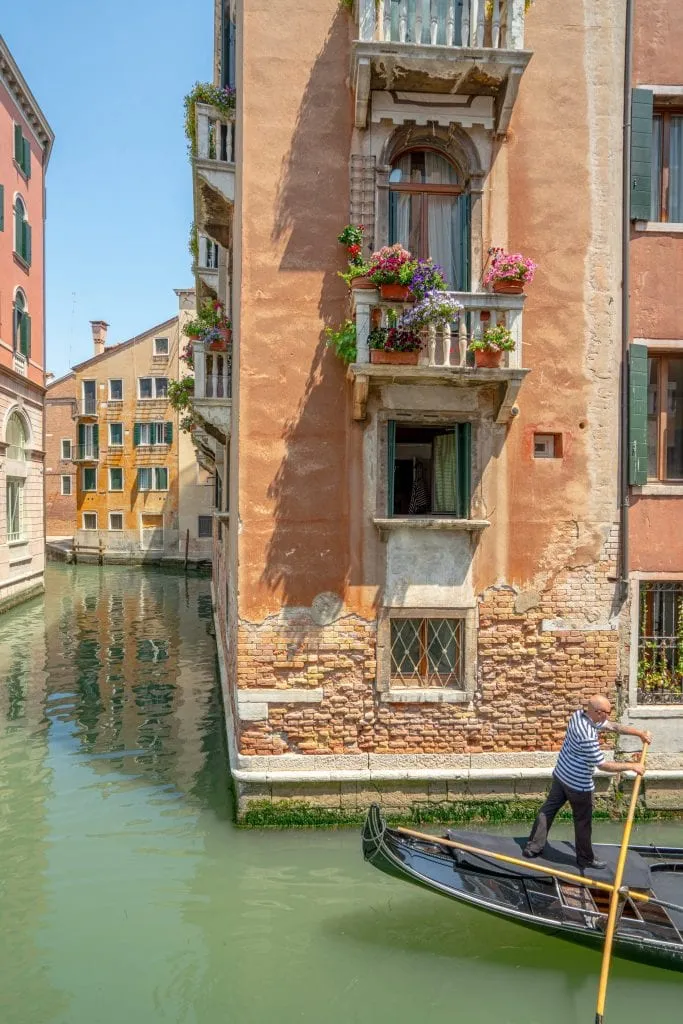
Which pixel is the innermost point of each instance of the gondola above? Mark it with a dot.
(650, 923)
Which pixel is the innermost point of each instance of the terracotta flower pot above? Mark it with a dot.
(394, 292)
(508, 286)
(362, 282)
(380, 355)
(226, 334)
(487, 357)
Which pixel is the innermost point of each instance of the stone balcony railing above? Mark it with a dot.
(440, 46)
(443, 358)
(85, 453)
(214, 164)
(213, 386)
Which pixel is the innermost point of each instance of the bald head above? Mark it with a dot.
(598, 707)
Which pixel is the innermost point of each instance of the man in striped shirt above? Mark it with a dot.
(573, 778)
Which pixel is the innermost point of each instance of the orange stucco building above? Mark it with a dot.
(25, 143)
(370, 643)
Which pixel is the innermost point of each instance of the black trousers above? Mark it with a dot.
(581, 803)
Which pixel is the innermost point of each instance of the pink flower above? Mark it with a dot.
(506, 266)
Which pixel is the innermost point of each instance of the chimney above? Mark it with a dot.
(99, 335)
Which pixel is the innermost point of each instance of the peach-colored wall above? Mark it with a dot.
(655, 534)
(12, 273)
(657, 35)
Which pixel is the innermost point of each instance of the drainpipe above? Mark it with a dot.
(625, 302)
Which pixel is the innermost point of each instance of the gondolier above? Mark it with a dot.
(573, 778)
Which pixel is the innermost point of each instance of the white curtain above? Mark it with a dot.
(676, 171)
(445, 473)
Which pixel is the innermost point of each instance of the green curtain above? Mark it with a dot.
(445, 473)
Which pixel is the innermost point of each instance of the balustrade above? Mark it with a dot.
(215, 134)
(496, 24)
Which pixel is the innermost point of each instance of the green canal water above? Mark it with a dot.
(127, 896)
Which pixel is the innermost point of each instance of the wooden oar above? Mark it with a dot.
(616, 895)
(592, 883)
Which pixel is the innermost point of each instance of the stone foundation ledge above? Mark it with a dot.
(392, 762)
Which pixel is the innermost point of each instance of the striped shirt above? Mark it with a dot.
(580, 752)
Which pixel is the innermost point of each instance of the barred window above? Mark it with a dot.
(660, 643)
(428, 652)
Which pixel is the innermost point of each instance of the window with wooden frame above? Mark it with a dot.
(22, 232)
(667, 165)
(664, 416)
(21, 325)
(429, 469)
(429, 212)
(427, 652)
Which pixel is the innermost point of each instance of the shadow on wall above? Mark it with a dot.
(310, 550)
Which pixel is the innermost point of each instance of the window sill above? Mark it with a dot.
(21, 262)
(662, 489)
(21, 541)
(21, 171)
(428, 695)
(656, 227)
(430, 523)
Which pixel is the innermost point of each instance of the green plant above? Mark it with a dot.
(180, 395)
(355, 270)
(494, 339)
(394, 339)
(212, 314)
(193, 244)
(220, 97)
(343, 341)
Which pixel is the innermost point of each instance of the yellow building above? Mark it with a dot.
(132, 484)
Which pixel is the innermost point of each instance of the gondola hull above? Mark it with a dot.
(648, 932)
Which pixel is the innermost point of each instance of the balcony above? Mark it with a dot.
(214, 173)
(465, 47)
(85, 453)
(86, 409)
(443, 359)
(212, 400)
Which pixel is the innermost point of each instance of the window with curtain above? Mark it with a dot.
(16, 437)
(665, 417)
(429, 470)
(429, 213)
(667, 166)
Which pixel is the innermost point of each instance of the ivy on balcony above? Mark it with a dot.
(220, 97)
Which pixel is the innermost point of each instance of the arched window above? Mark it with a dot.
(16, 437)
(21, 332)
(429, 212)
(22, 232)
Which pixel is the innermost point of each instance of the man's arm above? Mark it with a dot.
(628, 730)
(621, 766)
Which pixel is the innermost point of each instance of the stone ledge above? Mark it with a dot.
(312, 696)
(437, 695)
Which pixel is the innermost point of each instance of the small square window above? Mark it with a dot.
(66, 448)
(116, 520)
(115, 478)
(547, 446)
(66, 485)
(161, 346)
(205, 526)
(89, 478)
(116, 390)
(116, 435)
(428, 652)
(90, 520)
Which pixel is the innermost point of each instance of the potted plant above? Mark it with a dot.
(394, 344)
(217, 338)
(488, 350)
(427, 277)
(212, 314)
(392, 269)
(187, 355)
(356, 275)
(435, 308)
(509, 272)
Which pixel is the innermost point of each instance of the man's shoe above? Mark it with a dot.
(530, 853)
(595, 865)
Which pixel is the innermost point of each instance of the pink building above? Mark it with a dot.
(25, 144)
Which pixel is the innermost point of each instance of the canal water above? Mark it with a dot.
(127, 896)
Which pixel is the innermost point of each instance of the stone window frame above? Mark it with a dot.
(426, 418)
(85, 514)
(636, 710)
(66, 441)
(427, 694)
(63, 477)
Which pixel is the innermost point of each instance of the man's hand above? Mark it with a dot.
(633, 766)
(645, 736)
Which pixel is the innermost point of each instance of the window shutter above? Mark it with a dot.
(2, 207)
(96, 435)
(464, 446)
(27, 242)
(641, 154)
(18, 233)
(26, 158)
(169, 433)
(391, 465)
(637, 414)
(81, 436)
(18, 144)
(464, 243)
(25, 335)
(136, 435)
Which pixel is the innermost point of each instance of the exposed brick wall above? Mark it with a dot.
(60, 509)
(530, 676)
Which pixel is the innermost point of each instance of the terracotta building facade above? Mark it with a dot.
(25, 143)
(372, 646)
(115, 458)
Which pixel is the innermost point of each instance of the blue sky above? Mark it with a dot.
(110, 78)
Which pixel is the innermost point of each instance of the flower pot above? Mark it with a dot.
(394, 292)
(380, 355)
(362, 282)
(487, 357)
(225, 333)
(508, 286)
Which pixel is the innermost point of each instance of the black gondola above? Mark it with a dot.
(649, 931)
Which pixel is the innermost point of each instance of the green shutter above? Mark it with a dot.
(25, 335)
(463, 284)
(136, 435)
(637, 414)
(26, 251)
(18, 144)
(169, 433)
(2, 207)
(391, 465)
(641, 154)
(18, 233)
(81, 437)
(26, 158)
(464, 443)
(96, 435)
